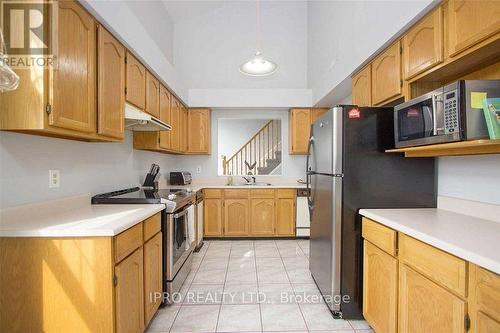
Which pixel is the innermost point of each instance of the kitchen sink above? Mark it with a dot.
(258, 184)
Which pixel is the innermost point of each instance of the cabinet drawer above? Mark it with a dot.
(261, 193)
(127, 242)
(212, 193)
(485, 291)
(286, 193)
(436, 264)
(152, 226)
(236, 194)
(379, 235)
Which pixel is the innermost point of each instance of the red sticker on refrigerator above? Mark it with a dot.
(354, 114)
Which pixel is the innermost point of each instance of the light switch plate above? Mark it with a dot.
(54, 178)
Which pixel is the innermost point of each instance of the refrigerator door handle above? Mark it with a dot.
(309, 173)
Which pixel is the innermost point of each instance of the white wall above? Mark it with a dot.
(343, 34)
(124, 23)
(293, 166)
(25, 161)
(470, 177)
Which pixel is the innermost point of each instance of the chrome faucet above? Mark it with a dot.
(250, 180)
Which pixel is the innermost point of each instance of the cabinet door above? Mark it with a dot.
(152, 95)
(175, 133)
(484, 299)
(300, 123)
(380, 289)
(470, 22)
(152, 276)
(386, 75)
(425, 306)
(184, 129)
(165, 116)
(423, 44)
(486, 324)
(73, 92)
(262, 217)
(236, 217)
(111, 85)
(212, 220)
(285, 217)
(199, 131)
(317, 112)
(129, 293)
(136, 82)
(362, 87)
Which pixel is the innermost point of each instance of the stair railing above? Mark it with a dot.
(264, 145)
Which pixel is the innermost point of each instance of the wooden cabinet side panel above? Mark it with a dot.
(49, 277)
(111, 85)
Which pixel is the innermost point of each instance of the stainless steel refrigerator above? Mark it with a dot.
(348, 169)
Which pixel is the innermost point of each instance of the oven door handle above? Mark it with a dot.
(181, 214)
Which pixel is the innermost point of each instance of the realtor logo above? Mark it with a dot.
(26, 28)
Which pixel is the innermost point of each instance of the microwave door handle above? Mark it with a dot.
(436, 99)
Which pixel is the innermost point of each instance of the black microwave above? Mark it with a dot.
(448, 114)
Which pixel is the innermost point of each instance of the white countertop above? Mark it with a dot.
(471, 238)
(72, 217)
(199, 186)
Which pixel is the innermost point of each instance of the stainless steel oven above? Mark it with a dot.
(448, 114)
(177, 249)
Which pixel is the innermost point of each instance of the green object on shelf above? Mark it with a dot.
(491, 109)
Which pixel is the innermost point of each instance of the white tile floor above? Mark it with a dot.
(251, 286)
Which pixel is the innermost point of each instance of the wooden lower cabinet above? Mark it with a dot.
(236, 217)
(212, 219)
(285, 216)
(262, 217)
(152, 276)
(129, 293)
(380, 289)
(249, 212)
(484, 300)
(424, 306)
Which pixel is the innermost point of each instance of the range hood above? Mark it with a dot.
(137, 120)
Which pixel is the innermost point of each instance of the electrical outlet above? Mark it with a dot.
(198, 169)
(54, 178)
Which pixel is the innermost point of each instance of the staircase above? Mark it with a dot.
(261, 155)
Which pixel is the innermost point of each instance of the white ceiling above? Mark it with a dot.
(180, 10)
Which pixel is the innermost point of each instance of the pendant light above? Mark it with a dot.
(258, 65)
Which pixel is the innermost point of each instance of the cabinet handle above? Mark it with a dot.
(115, 280)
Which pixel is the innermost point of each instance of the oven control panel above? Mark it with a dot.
(451, 112)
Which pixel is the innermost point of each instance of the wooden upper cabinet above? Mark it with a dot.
(129, 293)
(423, 44)
(236, 217)
(212, 217)
(198, 131)
(152, 95)
(165, 116)
(262, 217)
(317, 112)
(73, 95)
(362, 87)
(175, 133)
(183, 129)
(111, 85)
(136, 82)
(380, 289)
(470, 22)
(424, 306)
(153, 276)
(299, 123)
(386, 75)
